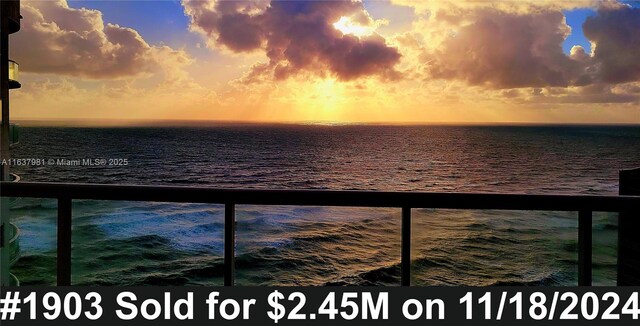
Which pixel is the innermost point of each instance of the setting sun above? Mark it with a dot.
(326, 99)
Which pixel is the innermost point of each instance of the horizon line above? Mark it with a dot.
(128, 123)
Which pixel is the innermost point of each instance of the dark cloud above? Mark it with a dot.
(296, 36)
(615, 31)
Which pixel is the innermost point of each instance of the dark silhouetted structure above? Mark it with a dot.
(9, 24)
(628, 234)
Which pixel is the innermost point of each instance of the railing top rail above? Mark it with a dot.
(321, 197)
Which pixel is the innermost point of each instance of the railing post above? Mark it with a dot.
(229, 244)
(4, 242)
(628, 232)
(585, 248)
(64, 242)
(405, 263)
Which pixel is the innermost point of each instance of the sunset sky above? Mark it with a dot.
(397, 61)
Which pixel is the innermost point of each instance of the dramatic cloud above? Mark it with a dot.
(507, 50)
(298, 36)
(519, 45)
(615, 33)
(61, 40)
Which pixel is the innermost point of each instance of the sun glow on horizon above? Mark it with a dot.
(324, 99)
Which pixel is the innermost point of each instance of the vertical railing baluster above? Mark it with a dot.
(229, 244)
(585, 248)
(64, 242)
(405, 263)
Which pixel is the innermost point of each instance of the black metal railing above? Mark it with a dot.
(65, 193)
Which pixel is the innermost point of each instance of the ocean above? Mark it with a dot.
(139, 243)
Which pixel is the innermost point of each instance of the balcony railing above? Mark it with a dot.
(65, 193)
